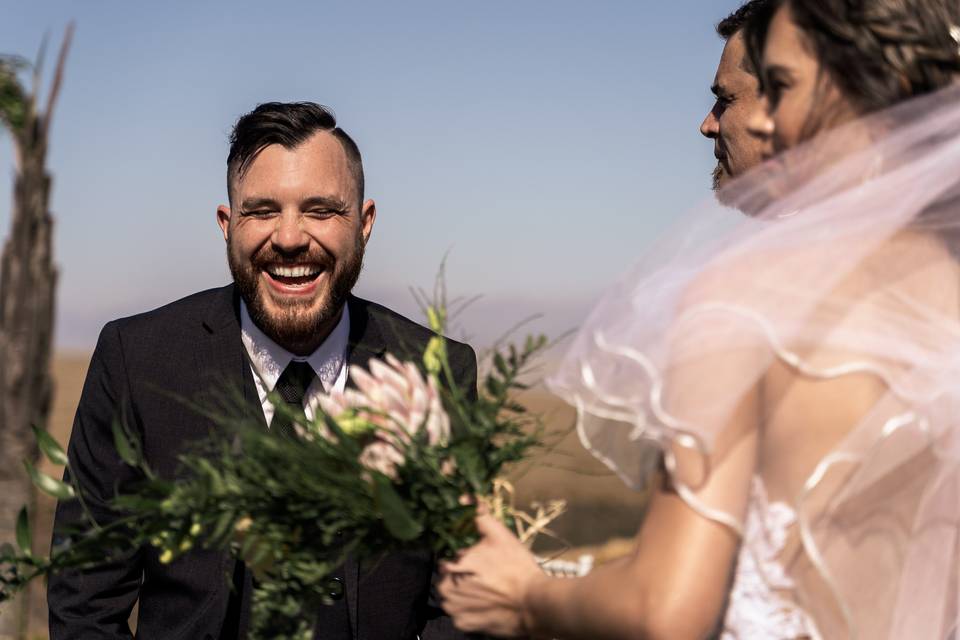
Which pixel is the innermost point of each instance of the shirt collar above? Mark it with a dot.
(270, 359)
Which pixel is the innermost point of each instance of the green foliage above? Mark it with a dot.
(122, 442)
(50, 447)
(50, 486)
(14, 100)
(292, 509)
(23, 532)
(396, 517)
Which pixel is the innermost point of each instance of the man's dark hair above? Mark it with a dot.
(288, 124)
(737, 20)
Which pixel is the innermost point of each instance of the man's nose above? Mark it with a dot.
(288, 235)
(710, 127)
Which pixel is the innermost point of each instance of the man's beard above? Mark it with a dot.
(721, 182)
(293, 326)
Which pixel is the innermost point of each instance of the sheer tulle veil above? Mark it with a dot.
(832, 268)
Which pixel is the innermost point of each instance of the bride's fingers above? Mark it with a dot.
(477, 560)
(467, 595)
(468, 560)
(457, 556)
(492, 529)
(458, 596)
(454, 565)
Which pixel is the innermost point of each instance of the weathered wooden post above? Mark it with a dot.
(27, 296)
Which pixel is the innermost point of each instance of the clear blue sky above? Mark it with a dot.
(544, 143)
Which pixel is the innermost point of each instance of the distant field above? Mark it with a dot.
(600, 508)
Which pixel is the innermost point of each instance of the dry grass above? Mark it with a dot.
(601, 514)
(599, 506)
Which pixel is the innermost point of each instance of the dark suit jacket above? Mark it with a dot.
(192, 349)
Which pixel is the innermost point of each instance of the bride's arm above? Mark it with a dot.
(673, 585)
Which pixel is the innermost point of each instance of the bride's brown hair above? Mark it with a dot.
(877, 52)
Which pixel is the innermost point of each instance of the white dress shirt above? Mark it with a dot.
(268, 360)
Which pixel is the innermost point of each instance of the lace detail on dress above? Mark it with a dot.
(756, 611)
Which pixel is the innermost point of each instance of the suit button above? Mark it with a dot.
(335, 589)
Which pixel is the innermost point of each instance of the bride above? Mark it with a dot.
(798, 362)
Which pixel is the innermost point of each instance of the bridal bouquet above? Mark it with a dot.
(400, 462)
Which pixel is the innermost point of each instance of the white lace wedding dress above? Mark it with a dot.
(756, 609)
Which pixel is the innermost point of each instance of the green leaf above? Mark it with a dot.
(123, 446)
(14, 100)
(50, 447)
(435, 355)
(397, 518)
(500, 364)
(51, 486)
(246, 548)
(258, 554)
(223, 526)
(495, 387)
(134, 502)
(217, 486)
(515, 407)
(23, 532)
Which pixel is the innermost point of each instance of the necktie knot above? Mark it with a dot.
(292, 387)
(294, 381)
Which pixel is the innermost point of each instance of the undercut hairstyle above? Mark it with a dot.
(288, 124)
(733, 23)
(877, 52)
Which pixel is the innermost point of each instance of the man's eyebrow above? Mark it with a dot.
(259, 203)
(324, 201)
(719, 91)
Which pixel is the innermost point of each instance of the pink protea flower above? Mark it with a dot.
(397, 402)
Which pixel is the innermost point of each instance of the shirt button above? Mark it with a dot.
(335, 589)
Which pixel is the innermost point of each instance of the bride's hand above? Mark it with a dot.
(486, 588)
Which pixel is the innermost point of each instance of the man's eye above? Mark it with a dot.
(258, 213)
(322, 213)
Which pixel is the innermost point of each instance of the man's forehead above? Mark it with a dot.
(320, 149)
(733, 71)
(319, 160)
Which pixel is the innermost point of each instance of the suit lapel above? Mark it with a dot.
(366, 337)
(222, 360)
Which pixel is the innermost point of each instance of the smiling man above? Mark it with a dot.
(296, 229)
(736, 89)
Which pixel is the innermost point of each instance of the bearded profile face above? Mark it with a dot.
(295, 239)
(736, 89)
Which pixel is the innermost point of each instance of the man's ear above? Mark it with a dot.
(368, 215)
(223, 219)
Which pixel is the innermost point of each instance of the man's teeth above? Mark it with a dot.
(294, 272)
